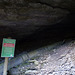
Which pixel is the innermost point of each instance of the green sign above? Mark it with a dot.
(8, 47)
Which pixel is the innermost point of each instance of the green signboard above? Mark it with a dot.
(8, 47)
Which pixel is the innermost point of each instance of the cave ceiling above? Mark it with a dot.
(22, 18)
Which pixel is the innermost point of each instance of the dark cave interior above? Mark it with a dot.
(49, 34)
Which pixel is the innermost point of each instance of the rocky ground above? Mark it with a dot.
(59, 60)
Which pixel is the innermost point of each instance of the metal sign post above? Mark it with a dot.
(8, 48)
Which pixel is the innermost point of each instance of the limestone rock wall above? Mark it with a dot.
(22, 18)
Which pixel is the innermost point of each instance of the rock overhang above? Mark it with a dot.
(22, 19)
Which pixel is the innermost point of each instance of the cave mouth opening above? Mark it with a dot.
(47, 35)
(50, 34)
(15, 16)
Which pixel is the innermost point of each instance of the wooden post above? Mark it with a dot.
(5, 66)
(6, 63)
